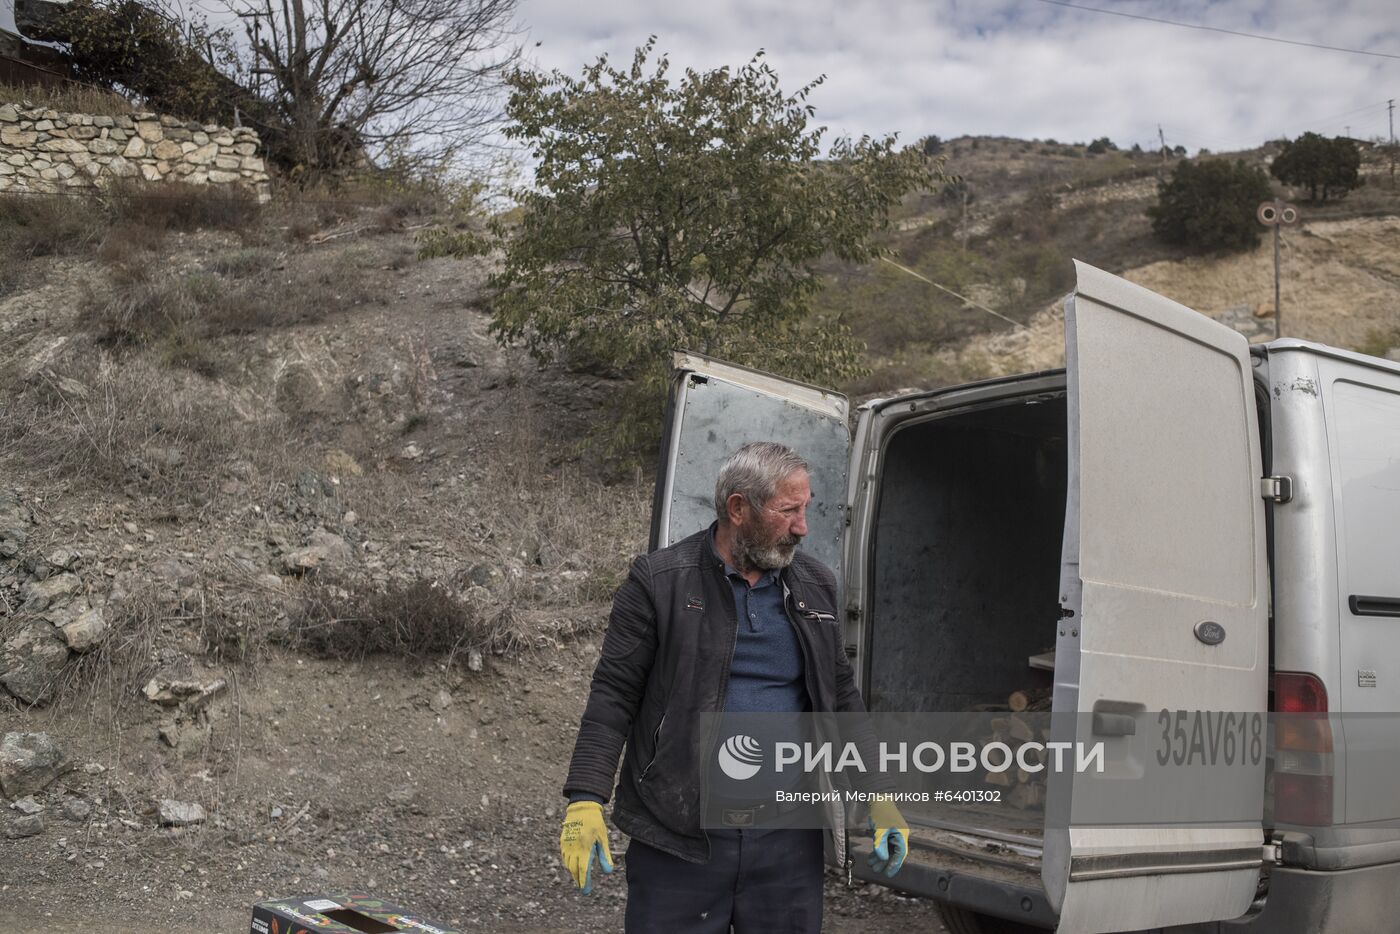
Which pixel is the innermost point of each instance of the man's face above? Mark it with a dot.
(767, 537)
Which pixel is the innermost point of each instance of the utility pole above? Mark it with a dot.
(1278, 304)
(1390, 108)
(1161, 137)
(964, 218)
(1277, 213)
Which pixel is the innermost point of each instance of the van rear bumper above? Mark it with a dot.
(1303, 901)
(1300, 901)
(1018, 899)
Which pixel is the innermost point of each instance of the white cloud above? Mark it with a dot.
(1021, 67)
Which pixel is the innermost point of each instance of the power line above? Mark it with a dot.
(1228, 32)
(944, 288)
(1347, 113)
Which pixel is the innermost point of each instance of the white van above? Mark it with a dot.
(1192, 522)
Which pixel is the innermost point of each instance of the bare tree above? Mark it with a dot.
(417, 78)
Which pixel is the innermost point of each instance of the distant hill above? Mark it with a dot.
(1032, 206)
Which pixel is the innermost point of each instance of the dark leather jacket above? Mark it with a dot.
(665, 659)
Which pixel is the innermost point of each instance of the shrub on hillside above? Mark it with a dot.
(420, 618)
(1208, 207)
(1315, 162)
(956, 191)
(142, 50)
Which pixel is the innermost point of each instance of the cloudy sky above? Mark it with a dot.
(1023, 68)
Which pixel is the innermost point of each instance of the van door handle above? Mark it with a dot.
(1114, 724)
(1374, 606)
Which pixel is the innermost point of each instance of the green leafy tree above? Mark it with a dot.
(1317, 163)
(1101, 145)
(685, 214)
(1208, 206)
(139, 49)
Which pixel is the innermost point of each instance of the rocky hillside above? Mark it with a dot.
(1033, 206)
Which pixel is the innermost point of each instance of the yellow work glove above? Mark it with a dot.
(583, 836)
(891, 837)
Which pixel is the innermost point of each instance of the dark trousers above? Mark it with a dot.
(756, 882)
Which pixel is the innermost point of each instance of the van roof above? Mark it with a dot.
(1324, 350)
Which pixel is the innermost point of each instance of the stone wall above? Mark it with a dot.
(43, 150)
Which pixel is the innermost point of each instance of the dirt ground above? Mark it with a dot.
(436, 791)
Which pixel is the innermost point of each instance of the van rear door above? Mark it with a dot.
(1164, 606)
(713, 409)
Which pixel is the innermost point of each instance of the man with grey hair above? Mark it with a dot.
(734, 618)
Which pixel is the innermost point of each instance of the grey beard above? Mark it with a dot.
(750, 556)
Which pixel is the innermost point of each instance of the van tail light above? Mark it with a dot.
(1302, 750)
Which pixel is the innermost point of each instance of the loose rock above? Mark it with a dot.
(29, 762)
(326, 548)
(28, 826)
(75, 809)
(176, 572)
(30, 663)
(193, 694)
(179, 813)
(485, 575)
(40, 595)
(65, 559)
(85, 631)
(15, 519)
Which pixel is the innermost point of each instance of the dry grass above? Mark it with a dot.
(129, 245)
(531, 503)
(121, 224)
(110, 676)
(420, 619)
(1379, 341)
(67, 98)
(239, 264)
(379, 207)
(242, 292)
(131, 425)
(47, 225)
(143, 308)
(171, 206)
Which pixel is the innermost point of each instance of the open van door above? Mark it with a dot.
(1164, 606)
(715, 408)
